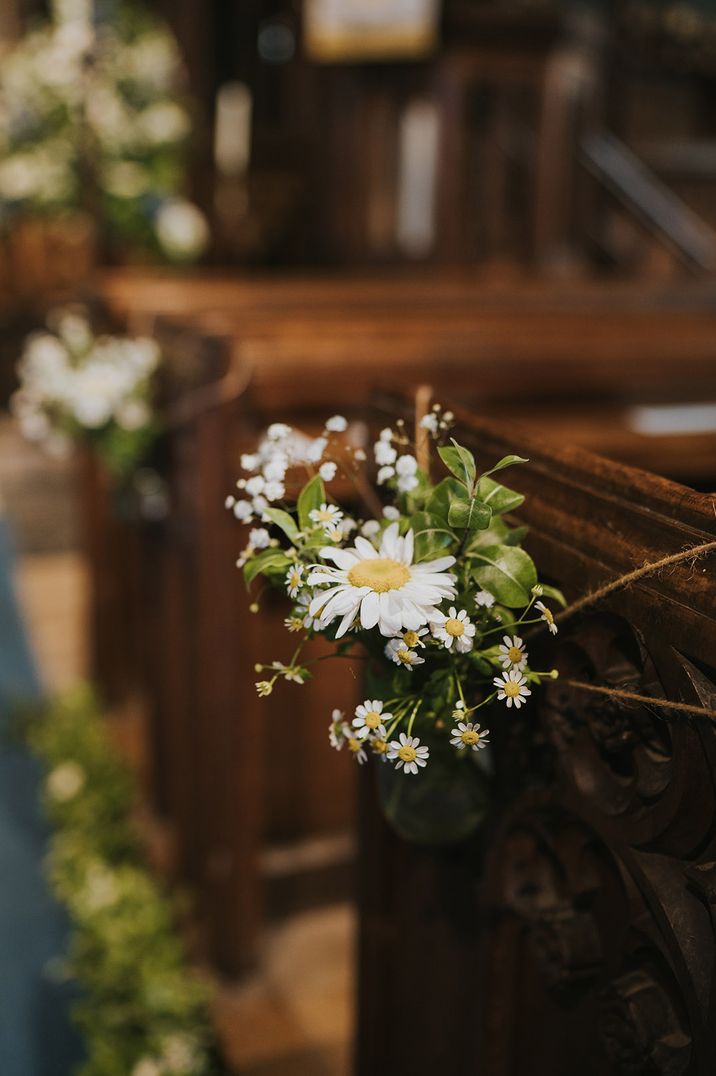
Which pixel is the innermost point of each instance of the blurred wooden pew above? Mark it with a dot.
(577, 932)
(260, 825)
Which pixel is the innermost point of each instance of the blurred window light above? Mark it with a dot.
(370, 29)
(417, 171)
(684, 418)
(232, 132)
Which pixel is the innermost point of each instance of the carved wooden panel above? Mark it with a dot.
(577, 933)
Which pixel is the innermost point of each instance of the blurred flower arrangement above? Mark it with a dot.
(78, 386)
(142, 1012)
(435, 591)
(93, 116)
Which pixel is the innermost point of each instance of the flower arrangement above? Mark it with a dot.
(141, 1010)
(435, 589)
(93, 116)
(78, 386)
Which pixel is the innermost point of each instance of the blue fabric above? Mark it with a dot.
(36, 1038)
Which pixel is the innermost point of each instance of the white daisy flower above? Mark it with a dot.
(293, 673)
(398, 652)
(328, 515)
(356, 747)
(512, 687)
(369, 717)
(255, 485)
(384, 474)
(547, 616)
(391, 512)
(465, 735)
(302, 610)
(259, 538)
(384, 453)
(381, 586)
(274, 491)
(379, 742)
(337, 424)
(408, 753)
(454, 629)
(327, 471)
(484, 600)
(243, 510)
(316, 449)
(512, 652)
(294, 580)
(411, 639)
(337, 730)
(293, 623)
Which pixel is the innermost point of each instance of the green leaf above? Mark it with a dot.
(500, 498)
(506, 461)
(556, 595)
(313, 495)
(460, 462)
(431, 538)
(262, 562)
(496, 534)
(507, 572)
(470, 515)
(516, 536)
(284, 521)
(442, 497)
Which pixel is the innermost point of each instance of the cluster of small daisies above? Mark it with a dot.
(434, 587)
(75, 384)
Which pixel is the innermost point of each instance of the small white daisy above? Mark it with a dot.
(337, 424)
(465, 735)
(328, 516)
(414, 638)
(484, 600)
(369, 717)
(407, 753)
(337, 730)
(512, 687)
(356, 747)
(547, 616)
(398, 652)
(327, 471)
(512, 652)
(379, 743)
(454, 629)
(294, 580)
(292, 673)
(259, 538)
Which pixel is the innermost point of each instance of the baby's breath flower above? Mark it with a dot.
(327, 471)
(484, 600)
(384, 474)
(249, 461)
(259, 538)
(391, 512)
(243, 510)
(384, 453)
(315, 450)
(255, 485)
(337, 424)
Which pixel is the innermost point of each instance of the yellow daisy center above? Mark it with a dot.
(380, 746)
(454, 627)
(469, 738)
(372, 719)
(380, 574)
(547, 614)
(295, 579)
(514, 654)
(404, 656)
(407, 754)
(411, 638)
(512, 689)
(324, 515)
(354, 745)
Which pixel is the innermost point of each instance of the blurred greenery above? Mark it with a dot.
(142, 1010)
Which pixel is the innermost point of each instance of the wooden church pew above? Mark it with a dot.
(576, 932)
(254, 829)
